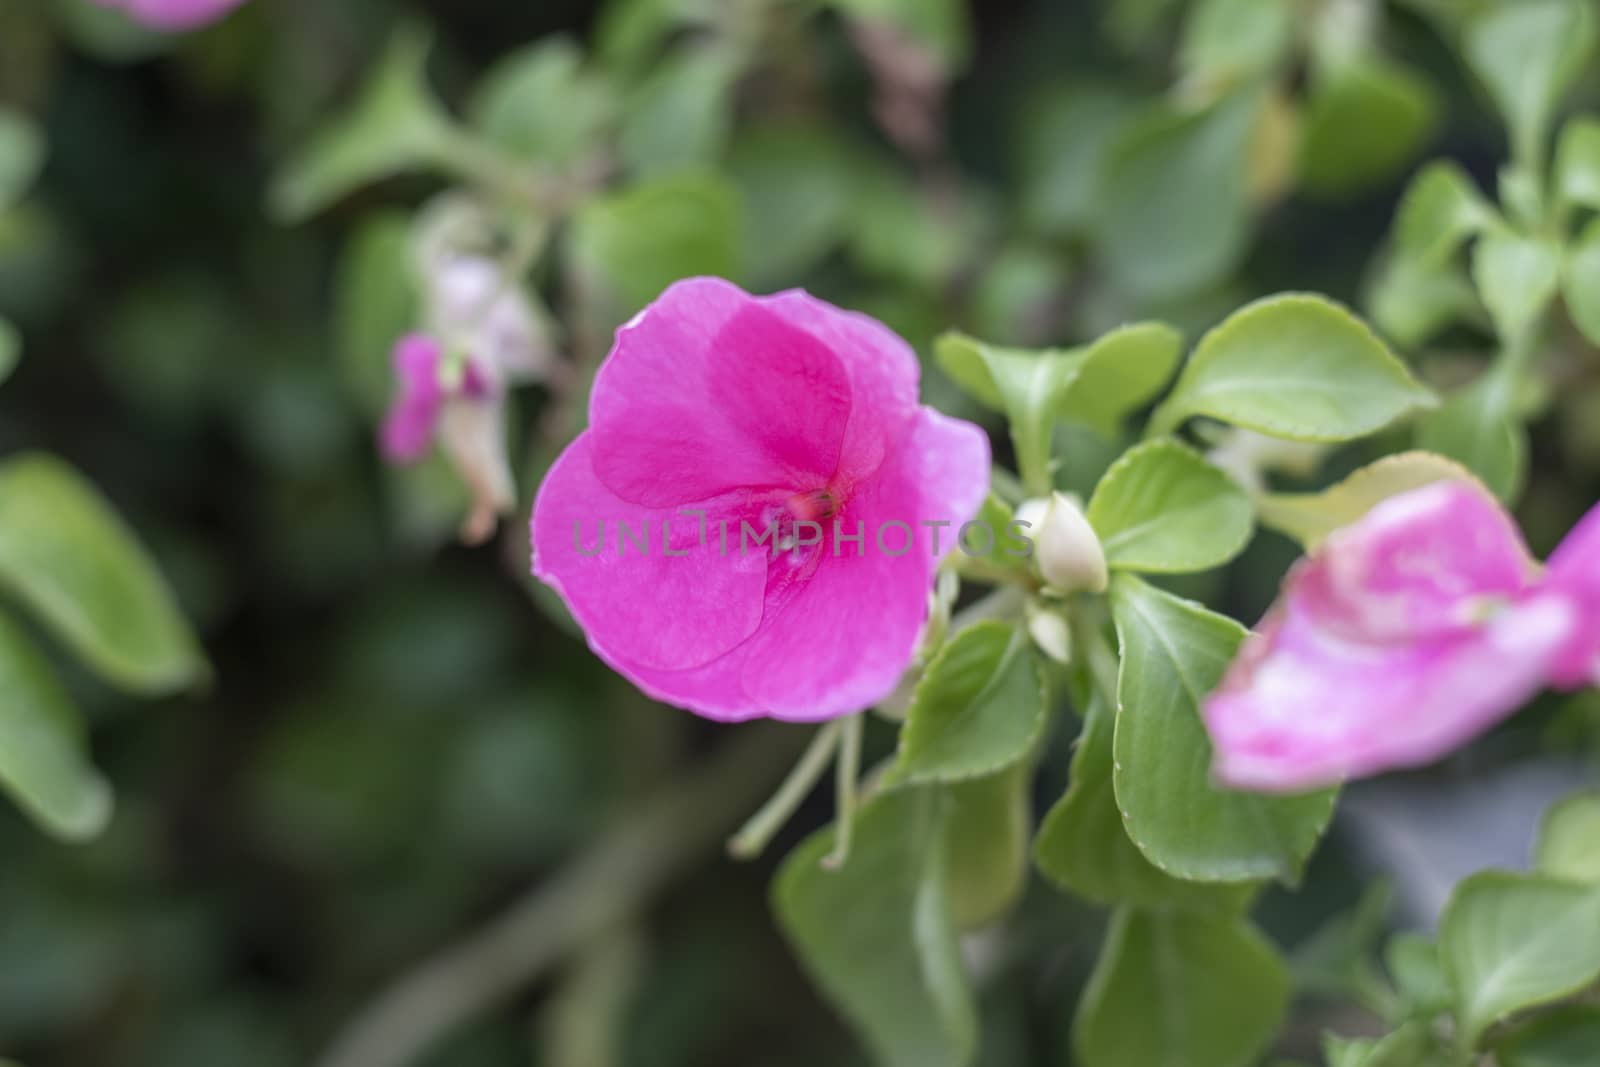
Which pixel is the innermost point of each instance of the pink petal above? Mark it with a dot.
(414, 414)
(1574, 570)
(650, 611)
(173, 14)
(1423, 562)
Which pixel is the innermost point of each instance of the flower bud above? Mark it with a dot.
(1065, 546)
(1049, 630)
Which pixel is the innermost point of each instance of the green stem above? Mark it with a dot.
(764, 824)
(847, 774)
(1104, 666)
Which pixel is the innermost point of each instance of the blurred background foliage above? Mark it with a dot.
(399, 735)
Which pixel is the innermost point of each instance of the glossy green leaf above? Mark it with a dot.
(1518, 277)
(395, 125)
(1511, 941)
(1309, 517)
(1566, 1037)
(978, 709)
(1179, 989)
(21, 155)
(67, 556)
(1442, 208)
(1528, 54)
(876, 933)
(1119, 373)
(1296, 366)
(1082, 846)
(1162, 508)
(1173, 653)
(1477, 428)
(541, 102)
(1226, 42)
(635, 243)
(1569, 839)
(1578, 163)
(987, 824)
(1580, 282)
(1064, 142)
(1173, 213)
(1366, 119)
(44, 762)
(682, 114)
(376, 303)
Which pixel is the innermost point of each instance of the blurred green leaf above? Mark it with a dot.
(877, 936)
(1477, 428)
(683, 112)
(376, 303)
(394, 125)
(1518, 277)
(1162, 508)
(795, 184)
(1083, 847)
(1226, 42)
(1441, 209)
(1413, 963)
(1309, 517)
(1180, 987)
(1512, 941)
(44, 762)
(978, 709)
(1580, 282)
(1172, 214)
(1063, 143)
(938, 26)
(1295, 366)
(1566, 1037)
(10, 348)
(542, 103)
(1173, 654)
(1578, 163)
(1569, 839)
(21, 155)
(987, 824)
(1411, 301)
(635, 243)
(72, 560)
(1366, 119)
(1412, 1045)
(1528, 54)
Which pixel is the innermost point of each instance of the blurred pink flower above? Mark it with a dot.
(762, 410)
(173, 14)
(419, 403)
(1404, 635)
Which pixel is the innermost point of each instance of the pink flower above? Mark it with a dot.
(419, 405)
(779, 412)
(173, 15)
(1406, 634)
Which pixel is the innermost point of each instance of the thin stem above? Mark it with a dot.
(649, 846)
(1104, 667)
(764, 824)
(847, 774)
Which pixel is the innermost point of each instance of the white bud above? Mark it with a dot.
(1049, 631)
(1065, 546)
(474, 437)
(472, 303)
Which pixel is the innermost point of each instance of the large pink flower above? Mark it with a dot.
(173, 15)
(1404, 635)
(759, 412)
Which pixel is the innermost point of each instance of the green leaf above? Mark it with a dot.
(1226, 42)
(1162, 508)
(1528, 54)
(1120, 373)
(1174, 652)
(1569, 839)
(1566, 1037)
(795, 184)
(1580, 282)
(71, 559)
(21, 155)
(376, 303)
(1309, 517)
(635, 243)
(1177, 989)
(1173, 214)
(1413, 963)
(1029, 386)
(1477, 428)
(540, 102)
(395, 125)
(1412, 301)
(1412, 1045)
(977, 710)
(1511, 941)
(1083, 848)
(987, 824)
(1065, 139)
(1578, 163)
(1367, 118)
(1441, 210)
(876, 934)
(1518, 277)
(10, 348)
(683, 112)
(44, 763)
(1296, 366)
